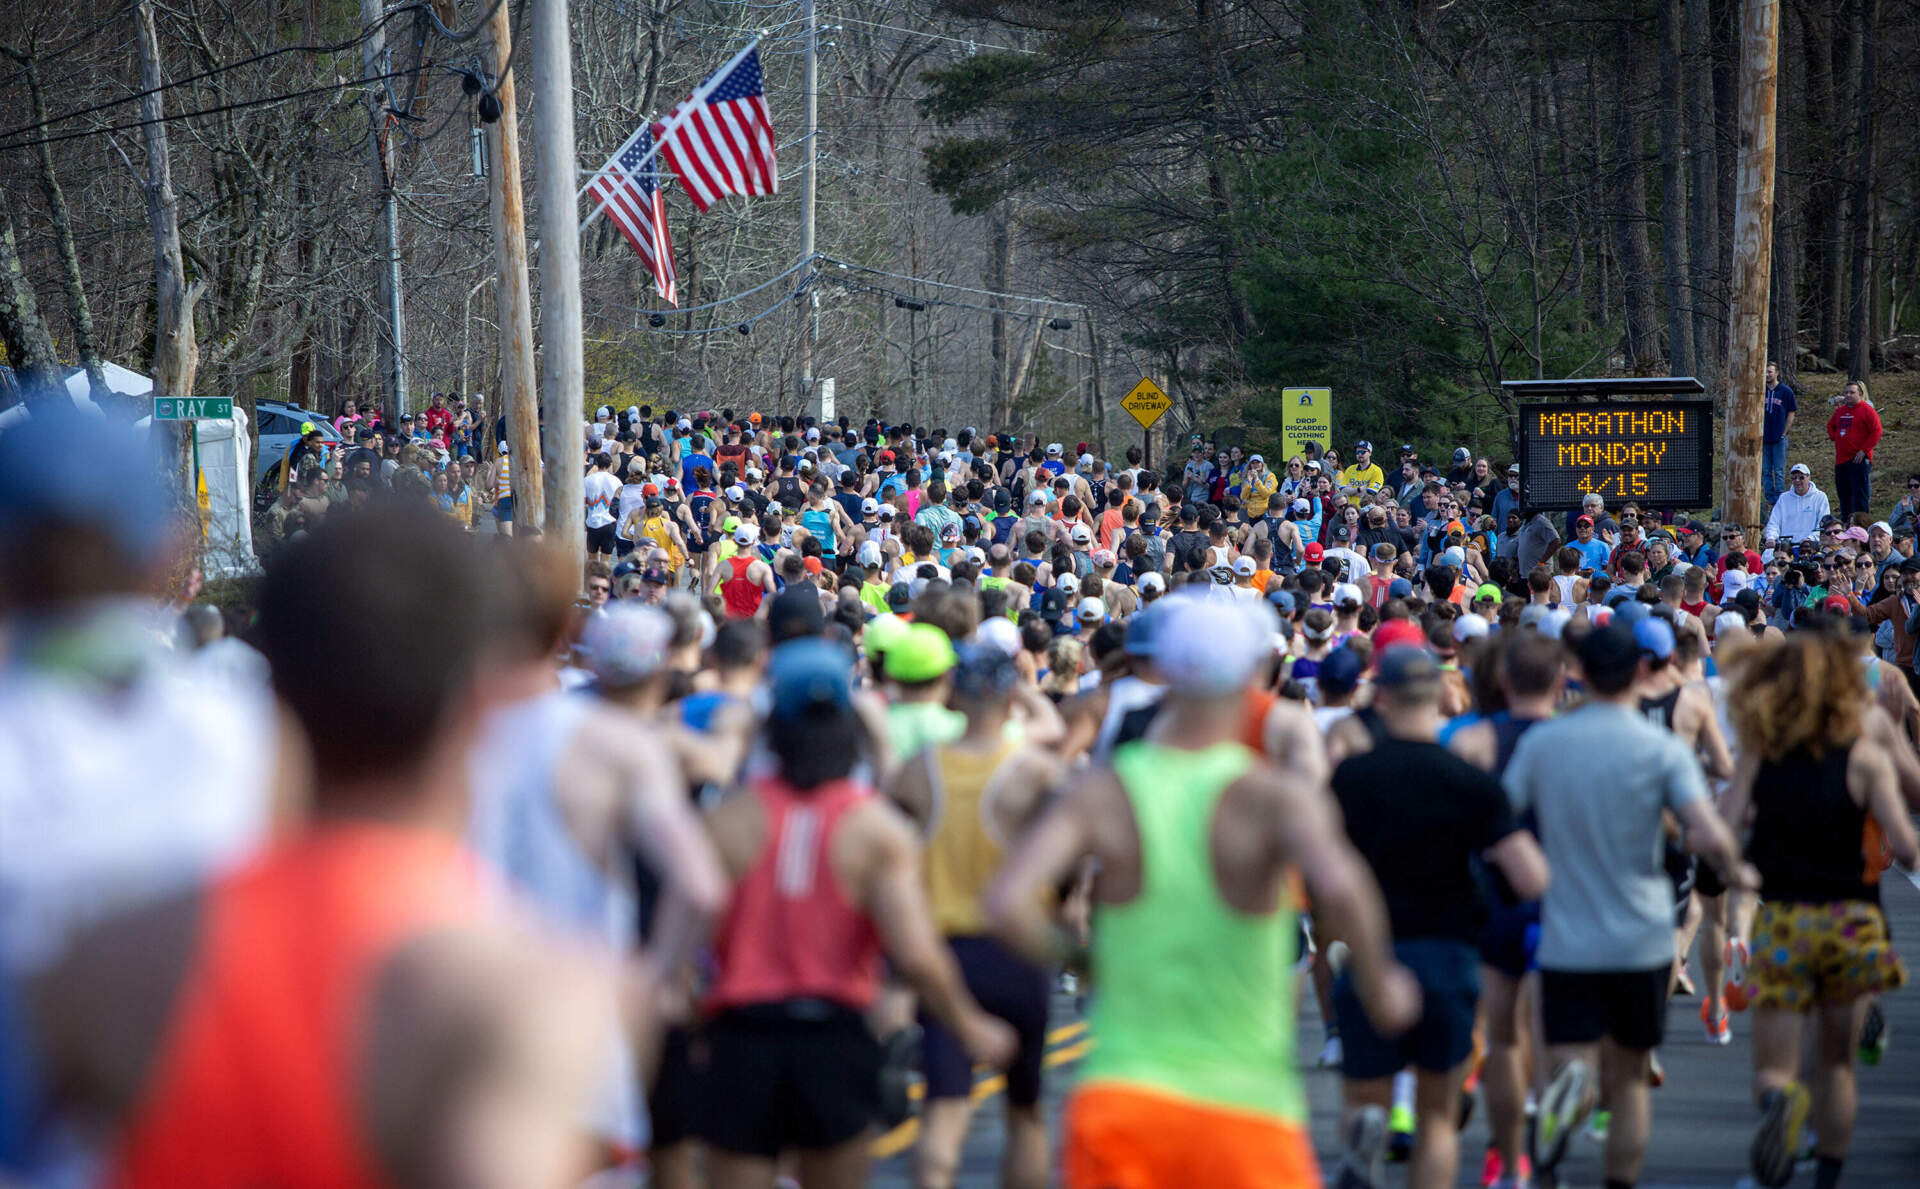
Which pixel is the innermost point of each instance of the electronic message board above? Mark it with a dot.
(1658, 453)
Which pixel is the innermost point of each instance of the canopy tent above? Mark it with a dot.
(225, 459)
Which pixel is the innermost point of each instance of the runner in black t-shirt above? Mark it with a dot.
(1421, 837)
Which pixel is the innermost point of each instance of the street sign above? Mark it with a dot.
(1306, 415)
(192, 408)
(825, 387)
(1147, 403)
(1658, 453)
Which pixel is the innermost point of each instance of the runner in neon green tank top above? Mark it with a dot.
(1191, 1081)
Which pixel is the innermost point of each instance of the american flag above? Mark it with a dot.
(628, 189)
(720, 139)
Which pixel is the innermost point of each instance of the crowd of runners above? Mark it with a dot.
(433, 860)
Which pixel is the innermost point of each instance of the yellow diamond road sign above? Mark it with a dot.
(1147, 403)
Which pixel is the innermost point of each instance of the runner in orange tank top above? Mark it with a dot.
(352, 1007)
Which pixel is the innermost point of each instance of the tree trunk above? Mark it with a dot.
(78, 311)
(999, 271)
(1673, 193)
(1709, 296)
(1631, 246)
(1866, 21)
(1826, 41)
(23, 332)
(1576, 212)
(176, 354)
(1596, 201)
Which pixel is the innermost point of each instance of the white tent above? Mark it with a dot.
(225, 456)
(226, 459)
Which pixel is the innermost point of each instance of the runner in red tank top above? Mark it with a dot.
(348, 1009)
(825, 874)
(749, 580)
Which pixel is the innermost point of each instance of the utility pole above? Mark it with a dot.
(563, 370)
(373, 56)
(512, 303)
(1743, 385)
(176, 353)
(809, 190)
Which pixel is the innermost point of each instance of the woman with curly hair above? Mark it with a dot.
(1824, 801)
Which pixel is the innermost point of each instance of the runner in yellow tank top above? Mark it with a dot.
(1191, 1079)
(971, 796)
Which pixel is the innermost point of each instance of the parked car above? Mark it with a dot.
(279, 429)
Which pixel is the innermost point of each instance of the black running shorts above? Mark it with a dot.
(1006, 986)
(777, 1080)
(1582, 1006)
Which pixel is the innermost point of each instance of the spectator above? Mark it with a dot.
(1854, 429)
(1798, 512)
(1780, 408)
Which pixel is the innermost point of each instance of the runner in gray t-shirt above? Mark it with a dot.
(1597, 780)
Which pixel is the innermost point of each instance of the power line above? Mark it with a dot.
(969, 42)
(1026, 297)
(224, 68)
(68, 48)
(728, 300)
(207, 111)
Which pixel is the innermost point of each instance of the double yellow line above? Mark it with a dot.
(1065, 1044)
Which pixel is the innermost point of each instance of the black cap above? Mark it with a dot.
(795, 612)
(1403, 665)
(1609, 649)
(1053, 605)
(1002, 500)
(899, 597)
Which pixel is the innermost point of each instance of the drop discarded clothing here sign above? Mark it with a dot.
(1146, 403)
(192, 408)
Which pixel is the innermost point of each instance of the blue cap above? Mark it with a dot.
(808, 673)
(1618, 595)
(1655, 637)
(1140, 630)
(1631, 612)
(1399, 588)
(1341, 670)
(64, 467)
(1282, 601)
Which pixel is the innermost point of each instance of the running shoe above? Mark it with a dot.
(1737, 993)
(1656, 1072)
(1494, 1174)
(1683, 982)
(1493, 1169)
(1330, 1053)
(1873, 1034)
(1400, 1135)
(1598, 1123)
(1775, 1142)
(1360, 1165)
(1568, 1098)
(1719, 1031)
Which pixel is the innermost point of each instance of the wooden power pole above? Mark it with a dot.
(563, 370)
(1744, 383)
(512, 302)
(176, 353)
(809, 197)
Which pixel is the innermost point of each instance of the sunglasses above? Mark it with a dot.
(598, 586)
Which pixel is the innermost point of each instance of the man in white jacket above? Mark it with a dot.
(1799, 510)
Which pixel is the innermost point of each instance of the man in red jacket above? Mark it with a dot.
(1855, 430)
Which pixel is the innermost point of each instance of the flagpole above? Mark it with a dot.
(674, 121)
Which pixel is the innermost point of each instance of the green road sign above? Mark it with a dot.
(192, 408)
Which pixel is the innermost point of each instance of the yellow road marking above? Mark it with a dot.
(1061, 1053)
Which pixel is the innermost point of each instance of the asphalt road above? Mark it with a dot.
(1702, 1117)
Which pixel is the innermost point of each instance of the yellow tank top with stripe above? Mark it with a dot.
(655, 529)
(963, 853)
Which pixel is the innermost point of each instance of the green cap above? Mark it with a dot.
(921, 653)
(883, 632)
(1487, 591)
(729, 524)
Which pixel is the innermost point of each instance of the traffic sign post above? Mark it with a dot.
(192, 408)
(1146, 403)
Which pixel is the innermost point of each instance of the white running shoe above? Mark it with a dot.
(1331, 1053)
